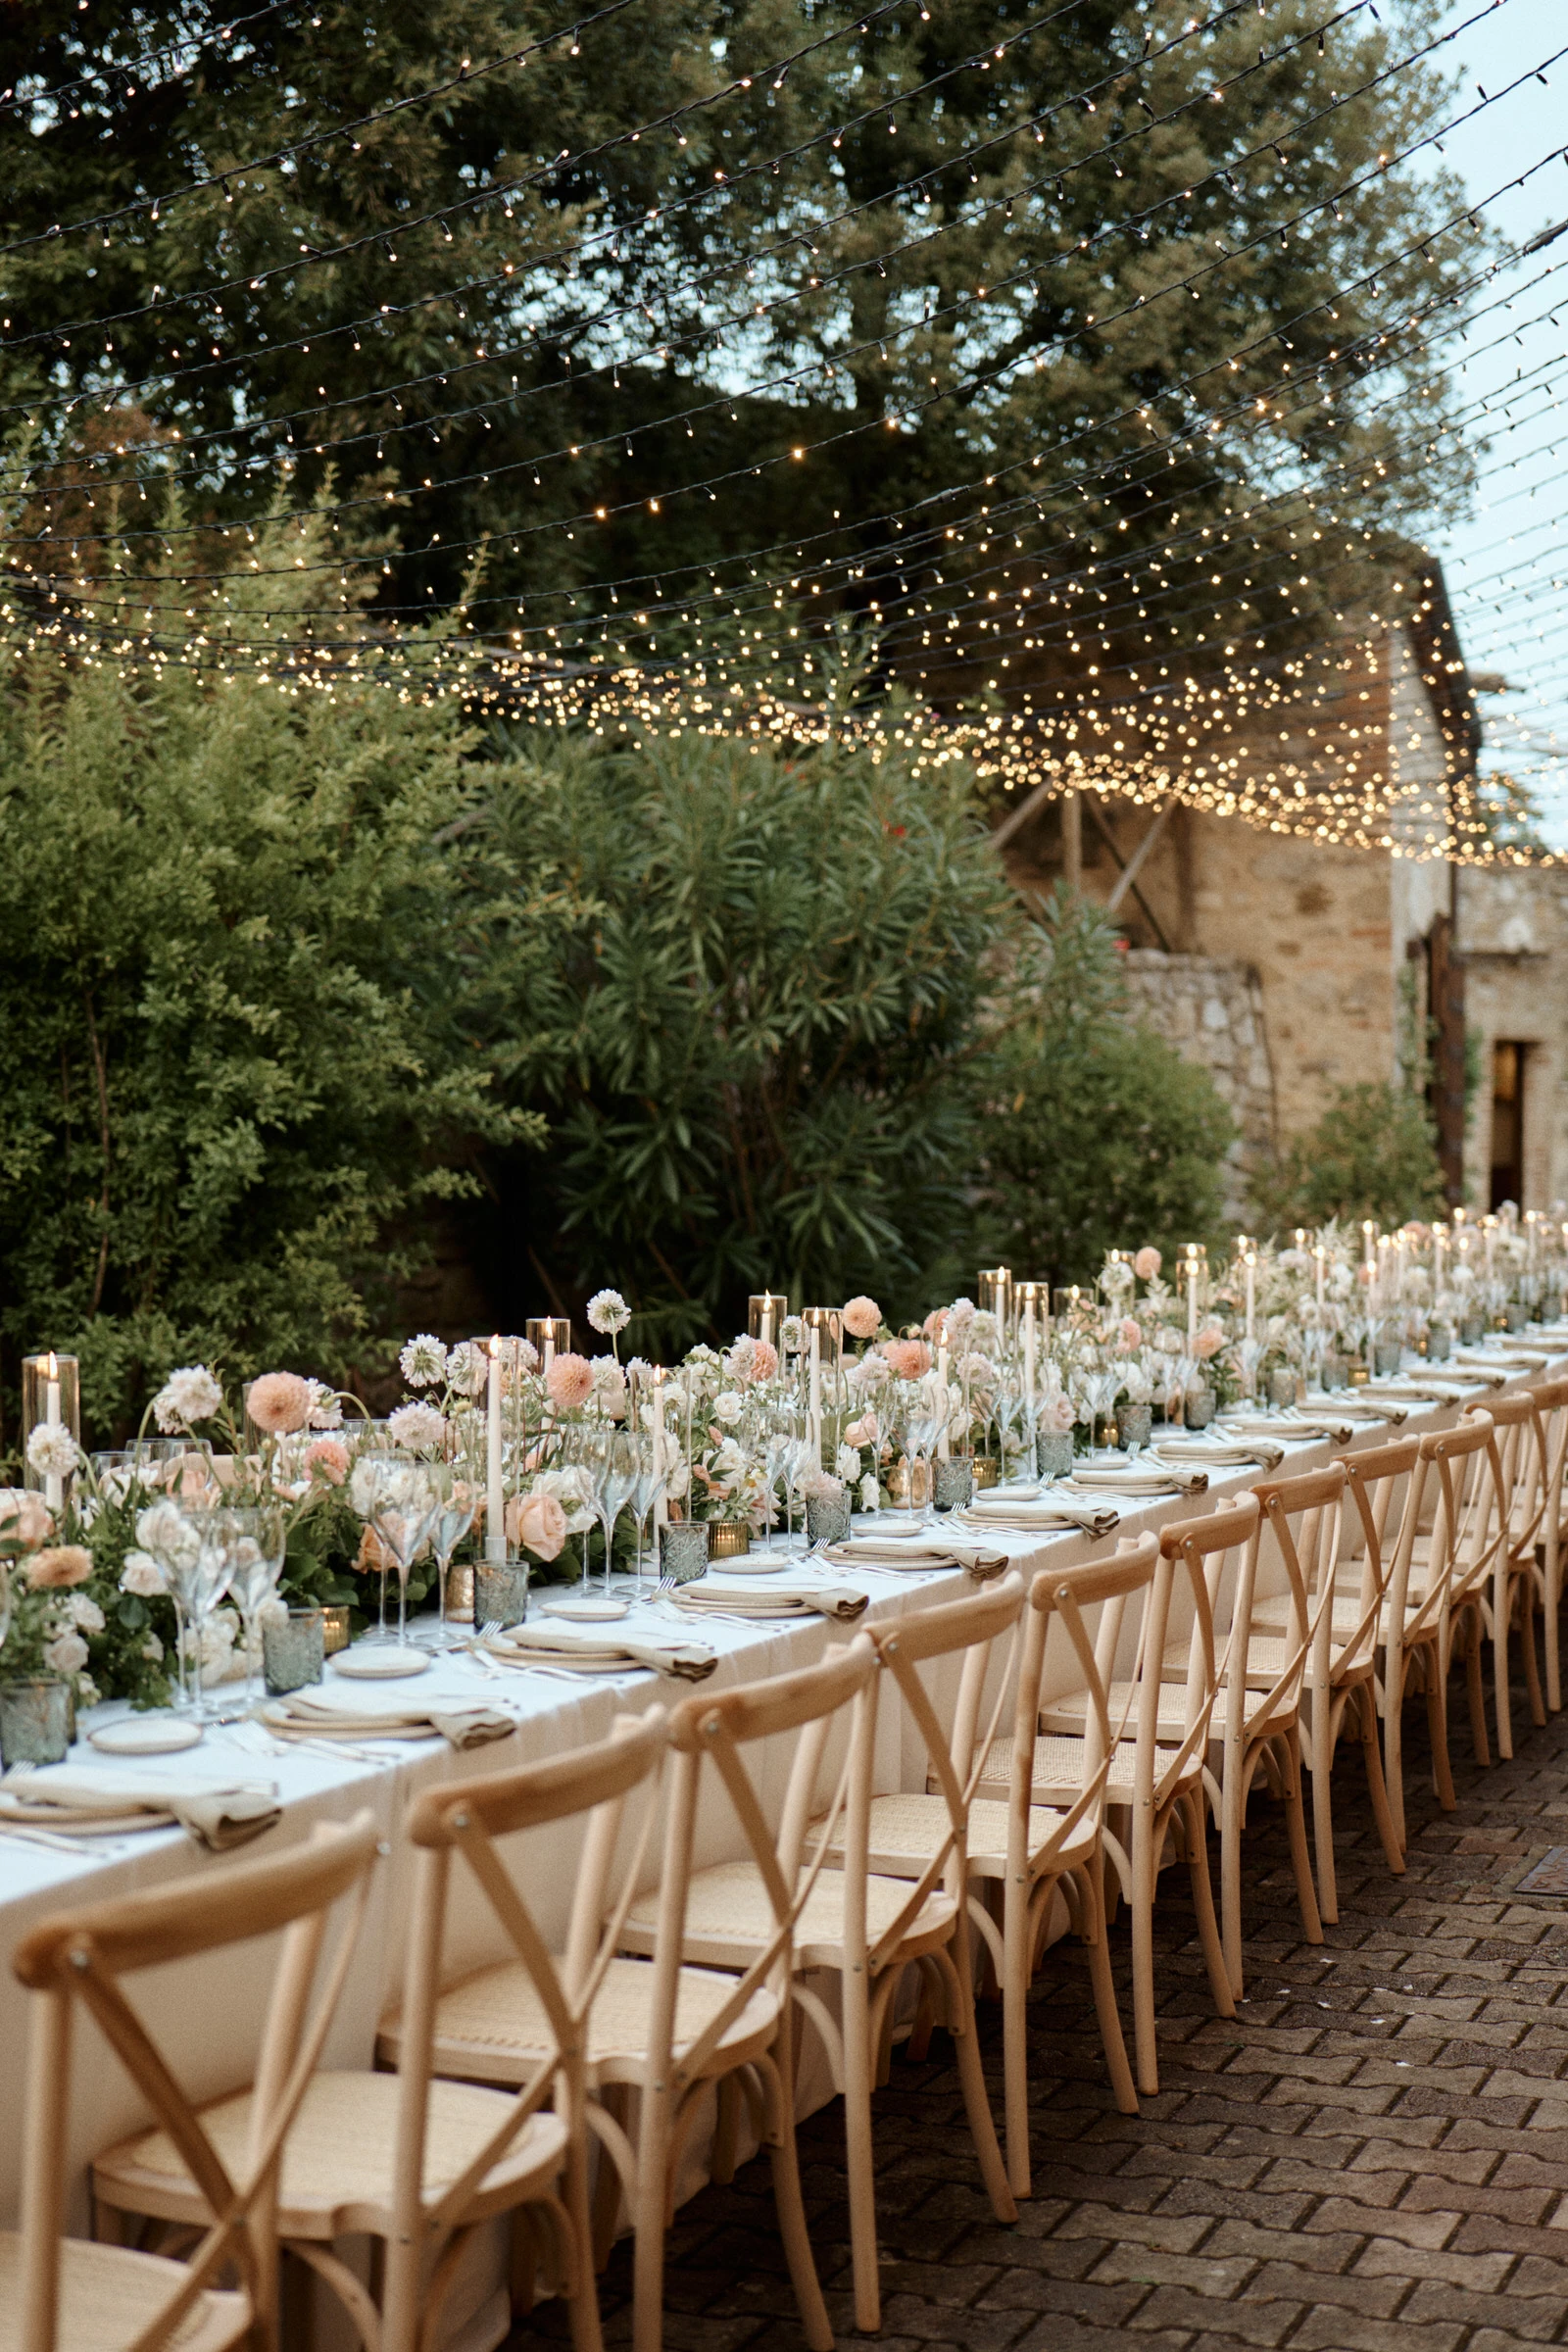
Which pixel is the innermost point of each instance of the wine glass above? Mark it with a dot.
(778, 1445)
(455, 1500)
(197, 1571)
(613, 1464)
(648, 1486)
(925, 1418)
(801, 1458)
(257, 1539)
(401, 1500)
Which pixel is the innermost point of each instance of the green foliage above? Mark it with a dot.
(250, 958)
(770, 1027)
(1100, 1135)
(1373, 1153)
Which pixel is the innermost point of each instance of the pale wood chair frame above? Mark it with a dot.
(81, 1955)
(1519, 1579)
(1459, 1553)
(1410, 1635)
(1552, 1402)
(1487, 1572)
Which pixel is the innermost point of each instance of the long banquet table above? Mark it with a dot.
(209, 2012)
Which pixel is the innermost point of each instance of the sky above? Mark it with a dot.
(1507, 564)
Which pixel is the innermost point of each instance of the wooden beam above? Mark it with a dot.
(1104, 830)
(1016, 818)
(1072, 839)
(1130, 872)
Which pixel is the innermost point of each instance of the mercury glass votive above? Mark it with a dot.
(293, 1650)
(1135, 1423)
(37, 1720)
(1053, 1452)
(683, 1550)
(828, 1518)
(500, 1591)
(954, 1482)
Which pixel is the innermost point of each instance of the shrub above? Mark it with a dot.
(1373, 1153)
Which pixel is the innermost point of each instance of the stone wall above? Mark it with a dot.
(1213, 1012)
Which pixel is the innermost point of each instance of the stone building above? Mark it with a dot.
(1291, 966)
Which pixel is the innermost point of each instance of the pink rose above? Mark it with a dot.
(279, 1403)
(863, 1318)
(907, 1359)
(1057, 1413)
(867, 1431)
(1130, 1334)
(1209, 1340)
(1145, 1265)
(327, 1459)
(537, 1523)
(62, 1565)
(571, 1381)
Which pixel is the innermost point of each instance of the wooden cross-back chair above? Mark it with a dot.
(1033, 1848)
(1473, 1518)
(1551, 1403)
(1157, 1774)
(422, 2164)
(1518, 1582)
(64, 2293)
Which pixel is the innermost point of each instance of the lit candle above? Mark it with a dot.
(1030, 1342)
(944, 1449)
(1369, 1238)
(1437, 1259)
(659, 1462)
(1322, 1256)
(1488, 1227)
(54, 1488)
(815, 1408)
(1251, 1292)
(495, 1511)
(1191, 1294)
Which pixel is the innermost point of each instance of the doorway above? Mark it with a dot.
(1507, 1122)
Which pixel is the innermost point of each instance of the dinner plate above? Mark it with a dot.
(585, 1611)
(380, 1665)
(146, 1735)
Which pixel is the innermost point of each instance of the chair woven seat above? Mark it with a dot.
(109, 2294)
(1058, 1769)
(728, 1915)
(338, 2157)
(493, 2025)
(908, 1829)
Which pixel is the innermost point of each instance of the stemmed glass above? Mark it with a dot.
(613, 1463)
(778, 1448)
(255, 1539)
(454, 1516)
(401, 1499)
(924, 1421)
(649, 1486)
(197, 1569)
(801, 1458)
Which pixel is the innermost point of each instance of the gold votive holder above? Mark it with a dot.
(337, 1631)
(727, 1539)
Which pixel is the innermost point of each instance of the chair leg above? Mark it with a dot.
(1328, 1886)
(726, 2133)
(859, 2064)
(778, 2078)
(1382, 1813)
(1232, 1824)
(1526, 1637)
(1220, 1978)
(1146, 2048)
(1295, 1826)
(1437, 1697)
(1394, 1670)
(1104, 1984)
(1015, 1957)
(1552, 1569)
(1474, 1690)
(971, 2075)
(1501, 1596)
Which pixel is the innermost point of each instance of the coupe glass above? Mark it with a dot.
(401, 1499)
(257, 1537)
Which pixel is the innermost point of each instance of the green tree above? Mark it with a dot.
(1100, 1135)
(1373, 1153)
(257, 965)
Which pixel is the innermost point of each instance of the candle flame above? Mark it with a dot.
(495, 1346)
(54, 1368)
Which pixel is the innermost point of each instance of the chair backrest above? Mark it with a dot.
(81, 1955)
(1299, 1538)
(467, 1818)
(1552, 1404)
(1088, 1606)
(956, 1759)
(839, 1692)
(1386, 1484)
(1522, 1457)
(1216, 1553)
(1470, 1520)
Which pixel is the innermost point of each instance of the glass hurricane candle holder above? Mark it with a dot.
(994, 1293)
(51, 1395)
(549, 1336)
(766, 1311)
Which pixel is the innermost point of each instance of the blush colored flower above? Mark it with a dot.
(865, 1432)
(417, 1427)
(1130, 1332)
(24, 1517)
(863, 1318)
(907, 1359)
(1058, 1412)
(329, 1458)
(765, 1359)
(1209, 1340)
(537, 1524)
(279, 1403)
(58, 1566)
(67, 1654)
(1147, 1265)
(142, 1576)
(569, 1382)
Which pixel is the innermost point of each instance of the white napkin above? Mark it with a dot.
(374, 1714)
(706, 1597)
(1296, 1425)
(1363, 1406)
(1148, 1475)
(79, 1802)
(1220, 1453)
(1052, 1509)
(602, 1650)
(923, 1552)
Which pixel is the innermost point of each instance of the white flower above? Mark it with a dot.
(467, 1369)
(729, 1461)
(728, 1407)
(84, 1614)
(608, 1313)
(984, 1331)
(87, 1691)
(188, 1395)
(67, 1654)
(152, 1648)
(573, 1489)
(417, 1427)
(52, 1449)
(325, 1410)
(870, 1494)
(218, 1645)
(424, 1360)
(273, 1612)
(791, 1336)
(609, 1378)
(677, 1482)
(163, 1530)
(846, 1461)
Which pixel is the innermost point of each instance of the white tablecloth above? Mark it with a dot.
(207, 2012)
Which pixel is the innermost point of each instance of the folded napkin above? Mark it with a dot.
(923, 1552)
(1365, 1406)
(705, 1597)
(1504, 1359)
(1221, 1453)
(1294, 1425)
(78, 1801)
(1052, 1509)
(1150, 1474)
(331, 1715)
(602, 1650)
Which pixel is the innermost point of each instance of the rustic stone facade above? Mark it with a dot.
(1213, 1012)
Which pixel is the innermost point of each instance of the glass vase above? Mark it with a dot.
(37, 1720)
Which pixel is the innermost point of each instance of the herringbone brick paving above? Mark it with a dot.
(1372, 2156)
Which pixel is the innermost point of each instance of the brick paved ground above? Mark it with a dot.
(1374, 2154)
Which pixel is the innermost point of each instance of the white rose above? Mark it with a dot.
(142, 1575)
(728, 1407)
(152, 1650)
(86, 1614)
(870, 1495)
(67, 1654)
(846, 1461)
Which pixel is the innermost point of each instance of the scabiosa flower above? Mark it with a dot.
(792, 1335)
(188, 1395)
(279, 1403)
(608, 1313)
(467, 1368)
(416, 1427)
(327, 1410)
(52, 1449)
(569, 1382)
(424, 1360)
